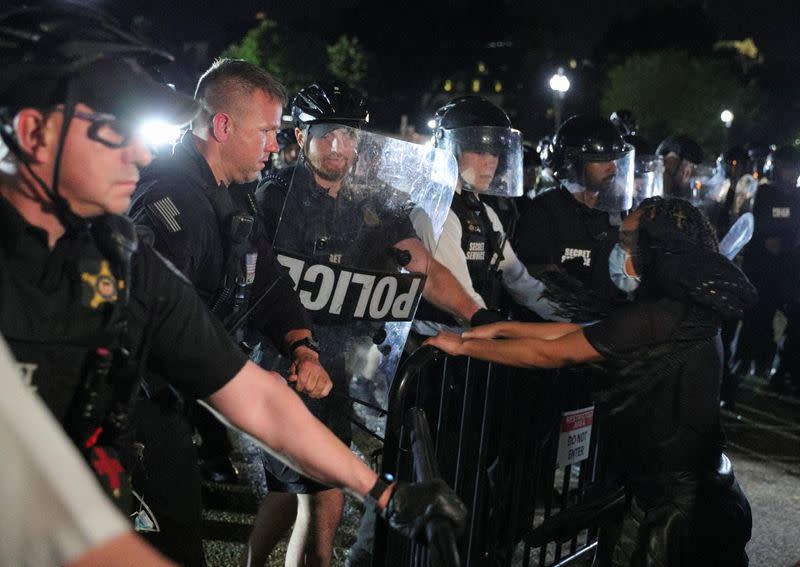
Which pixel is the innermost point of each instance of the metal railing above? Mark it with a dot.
(495, 436)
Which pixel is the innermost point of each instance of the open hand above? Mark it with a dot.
(451, 343)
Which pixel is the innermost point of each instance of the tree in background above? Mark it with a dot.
(674, 92)
(347, 61)
(299, 58)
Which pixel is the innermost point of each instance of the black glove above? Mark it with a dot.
(412, 506)
(485, 317)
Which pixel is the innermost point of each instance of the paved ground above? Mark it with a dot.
(764, 436)
(764, 440)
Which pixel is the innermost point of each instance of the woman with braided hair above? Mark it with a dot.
(661, 362)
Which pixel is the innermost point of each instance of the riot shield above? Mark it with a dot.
(348, 242)
(648, 178)
(708, 185)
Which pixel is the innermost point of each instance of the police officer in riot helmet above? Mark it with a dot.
(475, 113)
(314, 212)
(769, 259)
(681, 157)
(474, 245)
(783, 166)
(721, 209)
(732, 167)
(573, 227)
(85, 303)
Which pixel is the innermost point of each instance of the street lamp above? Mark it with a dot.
(559, 84)
(727, 119)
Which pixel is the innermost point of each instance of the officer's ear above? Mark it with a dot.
(221, 124)
(301, 137)
(37, 134)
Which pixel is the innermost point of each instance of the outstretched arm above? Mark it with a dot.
(441, 288)
(571, 348)
(518, 330)
(259, 403)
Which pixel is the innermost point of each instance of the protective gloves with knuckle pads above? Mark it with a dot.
(413, 506)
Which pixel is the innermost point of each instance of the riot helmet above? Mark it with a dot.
(488, 149)
(330, 102)
(65, 54)
(589, 156)
(624, 121)
(681, 146)
(681, 156)
(648, 170)
(782, 166)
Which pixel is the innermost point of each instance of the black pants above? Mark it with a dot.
(790, 352)
(654, 529)
(756, 343)
(677, 519)
(168, 479)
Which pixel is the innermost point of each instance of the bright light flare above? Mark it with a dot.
(157, 132)
(559, 83)
(726, 116)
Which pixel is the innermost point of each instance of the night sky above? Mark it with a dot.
(413, 42)
(413, 26)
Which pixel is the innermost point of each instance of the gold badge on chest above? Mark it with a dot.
(101, 286)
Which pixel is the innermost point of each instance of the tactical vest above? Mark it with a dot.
(237, 220)
(482, 247)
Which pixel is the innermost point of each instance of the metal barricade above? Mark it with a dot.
(496, 438)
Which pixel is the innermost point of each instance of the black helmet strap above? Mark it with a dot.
(57, 205)
(61, 208)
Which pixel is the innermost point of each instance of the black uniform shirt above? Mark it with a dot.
(180, 200)
(555, 229)
(776, 215)
(673, 425)
(52, 313)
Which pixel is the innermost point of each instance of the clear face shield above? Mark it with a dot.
(489, 159)
(648, 179)
(707, 185)
(610, 177)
